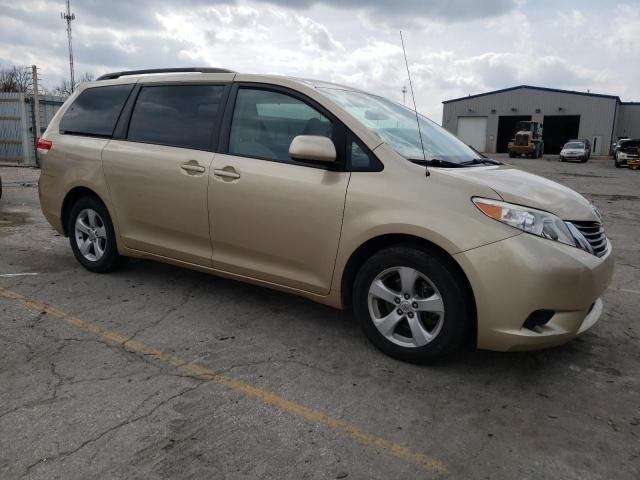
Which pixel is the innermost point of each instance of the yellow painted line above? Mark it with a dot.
(309, 414)
(625, 290)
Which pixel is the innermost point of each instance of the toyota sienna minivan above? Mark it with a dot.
(328, 192)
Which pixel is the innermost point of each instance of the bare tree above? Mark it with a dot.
(87, 77)
(15, 79)
(64, 87)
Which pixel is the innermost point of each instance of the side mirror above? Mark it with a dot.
(314, 148)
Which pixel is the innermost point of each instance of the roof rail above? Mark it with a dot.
(110, 76)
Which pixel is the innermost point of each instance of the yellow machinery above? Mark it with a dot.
(527, 140)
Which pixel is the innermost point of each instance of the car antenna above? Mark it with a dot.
(415, 108)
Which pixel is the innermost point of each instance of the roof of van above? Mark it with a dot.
(211, 70)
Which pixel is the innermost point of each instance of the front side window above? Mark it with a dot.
(265, 123)
(95, 111)
(176, 115)
(396, 125)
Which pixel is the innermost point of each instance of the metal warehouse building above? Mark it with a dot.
(18, 125)
(488, 121)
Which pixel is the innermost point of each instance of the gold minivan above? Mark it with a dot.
(328, 192)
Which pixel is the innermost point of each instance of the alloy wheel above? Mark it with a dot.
(90, 234)
(406, 307)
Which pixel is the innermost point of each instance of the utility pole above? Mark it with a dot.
(68, 17)
(36, 100)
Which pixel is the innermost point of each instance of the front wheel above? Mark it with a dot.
(411, 304)
(92, 237)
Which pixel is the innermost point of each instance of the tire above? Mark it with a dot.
(615, 162)
(432, 282)
(95, 232)
(512, 154)
(562, 159)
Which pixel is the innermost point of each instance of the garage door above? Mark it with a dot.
(473, 131)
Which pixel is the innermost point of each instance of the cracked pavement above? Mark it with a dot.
(74, 405)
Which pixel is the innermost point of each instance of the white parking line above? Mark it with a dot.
(11, 275)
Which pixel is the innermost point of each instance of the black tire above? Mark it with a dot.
(512, 154)
(562, 159)
(615, 162)
(457, 323)
(110, 260)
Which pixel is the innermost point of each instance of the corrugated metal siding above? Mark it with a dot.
(596, 113)
(17, 125)
(629, 120)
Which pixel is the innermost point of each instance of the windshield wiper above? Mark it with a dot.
(482, 161)
(435, 162)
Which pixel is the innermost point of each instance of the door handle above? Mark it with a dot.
(192, 168)
(224, 173)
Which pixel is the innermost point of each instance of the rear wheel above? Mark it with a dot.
(92, 237)
(512, 154)
(411, 304)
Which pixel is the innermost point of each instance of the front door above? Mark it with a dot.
(158, 176)
(272, 218)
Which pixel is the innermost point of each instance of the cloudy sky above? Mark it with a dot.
(455, 47)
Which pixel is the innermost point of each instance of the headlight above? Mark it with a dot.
(530, 220)
(622, 155)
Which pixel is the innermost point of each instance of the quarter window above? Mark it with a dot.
(95, 111)
(176, 115)
(265, 122)
(361, 159)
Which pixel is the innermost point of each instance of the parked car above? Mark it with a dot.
(574, 151)
(615, 145)
(587, 145)
(328, 192)
(627, 150)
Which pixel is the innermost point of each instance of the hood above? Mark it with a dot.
(573, 150)
(523, 188)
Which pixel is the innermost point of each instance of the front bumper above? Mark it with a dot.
(521, 149)
(515, 277)
(573, 158)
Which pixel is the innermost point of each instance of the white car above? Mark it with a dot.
(574, 151)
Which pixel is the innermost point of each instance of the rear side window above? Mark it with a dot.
(176, 115)
(95, 111)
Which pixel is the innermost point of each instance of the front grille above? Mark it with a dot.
(594, 234)
(522, 140)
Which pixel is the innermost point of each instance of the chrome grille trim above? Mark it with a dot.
(594, 234)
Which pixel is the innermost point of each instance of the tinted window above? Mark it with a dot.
(176, 115)
(95, 111)
(264, 124)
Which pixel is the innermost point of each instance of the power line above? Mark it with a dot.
(69, 17)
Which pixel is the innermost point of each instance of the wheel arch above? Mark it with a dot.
(72, 197)
(375, 244)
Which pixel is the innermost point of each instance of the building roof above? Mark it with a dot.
(531, 87)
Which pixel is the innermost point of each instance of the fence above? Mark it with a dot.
(17, 125)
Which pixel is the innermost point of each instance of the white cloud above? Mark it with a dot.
(456, 47)
(625, 37)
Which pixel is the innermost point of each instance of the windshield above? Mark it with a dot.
(396, 126)
(574, 145)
